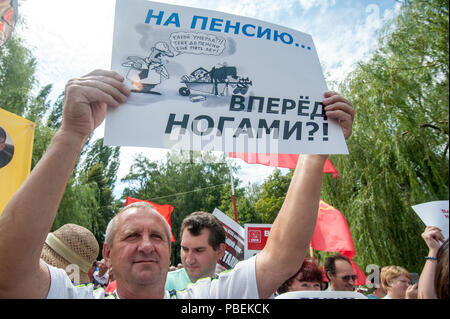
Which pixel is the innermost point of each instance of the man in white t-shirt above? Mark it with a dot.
(138, 239)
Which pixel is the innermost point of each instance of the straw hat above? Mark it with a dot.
(71, 245)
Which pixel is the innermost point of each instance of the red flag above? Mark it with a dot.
(332, 232)
(361, 277)
(165, 210)
(280, 160)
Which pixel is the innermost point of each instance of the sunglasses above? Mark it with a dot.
(348, 277)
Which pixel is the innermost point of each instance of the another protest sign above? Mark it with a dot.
(206, 80)
(434, 214)
(256, 236)
(321, 295)
(234, 241)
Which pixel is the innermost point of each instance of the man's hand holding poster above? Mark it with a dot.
(206, 80)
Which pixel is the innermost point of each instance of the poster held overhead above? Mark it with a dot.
(434, 214)
(206, 80)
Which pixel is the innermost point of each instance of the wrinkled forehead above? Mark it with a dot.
(137, 218)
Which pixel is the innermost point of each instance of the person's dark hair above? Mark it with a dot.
(330, 264)
(309, 271)
(2, 135)
(197, 221)
(441, 277)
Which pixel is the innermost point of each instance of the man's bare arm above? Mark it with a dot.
(293, 228)
(28, 217)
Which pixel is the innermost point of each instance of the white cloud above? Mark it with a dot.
(322, 4)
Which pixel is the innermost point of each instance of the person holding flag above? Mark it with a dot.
(139, 248)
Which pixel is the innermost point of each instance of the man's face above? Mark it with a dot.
(140, 254)
(345, 277)
(198, 256)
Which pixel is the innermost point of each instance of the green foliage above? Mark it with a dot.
(399, 149)
(272, 196)
(98, 172)
(17, 67)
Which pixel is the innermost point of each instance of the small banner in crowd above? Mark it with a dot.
(16, 149)
(256, 236)
(434, 214)
(234, 241)
(165, 210)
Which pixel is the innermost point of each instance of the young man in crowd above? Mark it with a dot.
(202, 246)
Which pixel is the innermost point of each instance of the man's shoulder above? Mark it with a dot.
(236, 283)
(62, 288)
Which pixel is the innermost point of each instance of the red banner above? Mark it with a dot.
(280, 160)
(165, 210)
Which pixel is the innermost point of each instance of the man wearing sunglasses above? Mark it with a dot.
(339, 272)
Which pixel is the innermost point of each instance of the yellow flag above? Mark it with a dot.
(16, 148)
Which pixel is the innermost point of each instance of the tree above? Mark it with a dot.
(17, 67)
(399, 148)
(99, 171)
(274, 190)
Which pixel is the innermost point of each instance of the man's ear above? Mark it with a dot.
(221, 251)
(106, 253)
(329, 275)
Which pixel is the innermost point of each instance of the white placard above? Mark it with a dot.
(325, 294)
(206, 80)
(234, 241)
(434, 214)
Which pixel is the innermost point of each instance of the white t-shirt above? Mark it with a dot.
(237, 283)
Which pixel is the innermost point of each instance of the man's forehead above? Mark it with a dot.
(343, 266)
(138, 217)
(187, 237)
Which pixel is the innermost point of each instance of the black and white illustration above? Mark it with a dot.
(217, 81)
(146, 73)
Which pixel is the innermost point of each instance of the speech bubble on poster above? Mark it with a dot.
(197, 43)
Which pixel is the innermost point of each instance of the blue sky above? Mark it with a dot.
(70, 38)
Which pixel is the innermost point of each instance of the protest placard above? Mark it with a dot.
(210, 81)
(321, 295)
(234, 241)
(434, 214)
(256, 236)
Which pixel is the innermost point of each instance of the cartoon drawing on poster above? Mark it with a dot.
(216, 82)
(207, 80)
(146, 73)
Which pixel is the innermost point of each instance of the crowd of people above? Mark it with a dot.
(74, 249)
